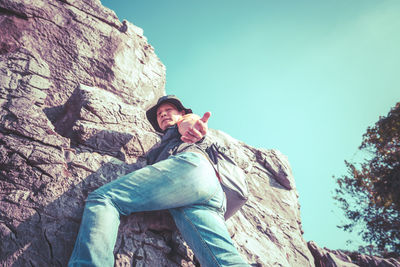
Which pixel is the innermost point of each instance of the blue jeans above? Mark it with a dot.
(185, 184)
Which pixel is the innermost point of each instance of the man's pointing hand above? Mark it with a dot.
(193, 128)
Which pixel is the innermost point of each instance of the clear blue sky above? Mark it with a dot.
(304, 77)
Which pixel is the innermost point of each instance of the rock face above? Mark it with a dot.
(74, 86)
(326, 258)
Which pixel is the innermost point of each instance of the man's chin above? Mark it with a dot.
(167, 124)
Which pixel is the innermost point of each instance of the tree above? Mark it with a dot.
(369, 193)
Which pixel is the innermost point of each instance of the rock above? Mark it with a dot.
(327, 258)
(335, 258)
(272, 210)
(102, 121)
(367, 261)
(278, 164)
(74, 86)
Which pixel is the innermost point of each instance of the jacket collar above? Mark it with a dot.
(170, 133)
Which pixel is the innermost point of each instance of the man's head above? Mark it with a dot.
(166, 112)
(168, 115)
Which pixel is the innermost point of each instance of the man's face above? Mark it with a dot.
(168, 115)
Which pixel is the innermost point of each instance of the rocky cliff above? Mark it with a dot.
(74, 86)
(324, 257)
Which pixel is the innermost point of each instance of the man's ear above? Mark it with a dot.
(183, 112)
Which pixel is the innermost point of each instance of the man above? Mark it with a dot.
(179, 178)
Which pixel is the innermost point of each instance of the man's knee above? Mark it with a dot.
(100, 203)
(96, 196)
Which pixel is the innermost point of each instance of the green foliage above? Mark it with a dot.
(370, 192)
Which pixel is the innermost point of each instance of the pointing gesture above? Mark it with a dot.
(193, 128)
(206, 116)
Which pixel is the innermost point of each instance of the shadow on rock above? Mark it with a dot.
(46, 234)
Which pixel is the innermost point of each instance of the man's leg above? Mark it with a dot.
(203, 228)
(97, 235)
(181, 180)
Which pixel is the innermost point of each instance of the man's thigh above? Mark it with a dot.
(184, 179)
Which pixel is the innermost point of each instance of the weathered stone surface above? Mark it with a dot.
(74, 86)
(268, 229)
(277, 164)
(335, 258)
(100, 120)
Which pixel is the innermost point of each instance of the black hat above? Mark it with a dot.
(152, 112)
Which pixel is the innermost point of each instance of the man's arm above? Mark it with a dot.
(193, 128)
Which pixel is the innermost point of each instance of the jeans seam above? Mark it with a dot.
(209, 198)
(220, 208)
(201, 239)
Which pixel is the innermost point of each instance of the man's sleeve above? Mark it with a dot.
(204, 142)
